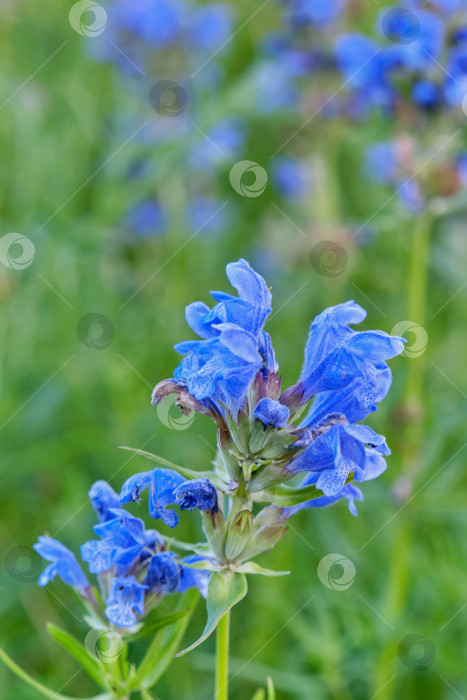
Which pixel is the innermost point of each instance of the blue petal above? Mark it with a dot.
(199, 493)
(126, 598)
(103, 497)
(64, 564)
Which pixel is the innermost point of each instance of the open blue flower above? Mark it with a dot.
(63, 564)
(126, 598)
(193, 578)
(161, 484)
(336, 453)
(123, 540)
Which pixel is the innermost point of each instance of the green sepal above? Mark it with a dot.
(92, 666)
(278, 444)
(252, 567)
(259, 436)
(238, 533)
(162, 648)
(42, 689)
(214, 528)
(268, 529)
(186, 473)
(153, 624)
(240, 431)
(202, 548)
(225, 590)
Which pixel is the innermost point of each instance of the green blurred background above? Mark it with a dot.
(66, 407)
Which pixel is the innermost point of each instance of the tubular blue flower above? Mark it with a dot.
(336, 355)
(63, 564)
(162, 483)
(193, 578)
(126, 598)
(163, 574)
(199, 493)
(272, 412)
(333, 455)
(103, 498)
(122, 542)
(235, 346)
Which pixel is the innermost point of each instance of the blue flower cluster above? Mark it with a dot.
(133, 567)
(231, 374)
(419, 58)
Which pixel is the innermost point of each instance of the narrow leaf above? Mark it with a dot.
(225, 590)
(92, 666)
(42, 689)
(162, 648)
(259, 695)
(251, 567)
(153, 626)
(271, 691)
(289, 496)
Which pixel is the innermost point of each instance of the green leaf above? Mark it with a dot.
(151, 626)
(289, 496)
(92, 666)
(145, 694)
(271, 691)
(187, 473)
(162, 648)
(259, 695)
(252, 567)
(42, 689)
(225, 590)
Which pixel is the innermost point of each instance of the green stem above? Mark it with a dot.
(410, 453)
(222, 658)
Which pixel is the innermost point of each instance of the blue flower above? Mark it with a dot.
(235, 347)
(63, 564)
(199, 493)
(145, 219)
(292, 177)
(318, 12)
(381, 162)
(126, 598)
(193, 578)
(122, 542)
(335, 355)
(163, 574)
(336, 453)
(220, 143)
(272, 412)
(103, 498)
(211, 25)
(161, 484)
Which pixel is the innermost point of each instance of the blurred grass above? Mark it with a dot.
(66, 407)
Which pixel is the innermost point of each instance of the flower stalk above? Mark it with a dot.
(222, 658)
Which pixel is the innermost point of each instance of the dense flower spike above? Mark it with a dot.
(63, 564)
